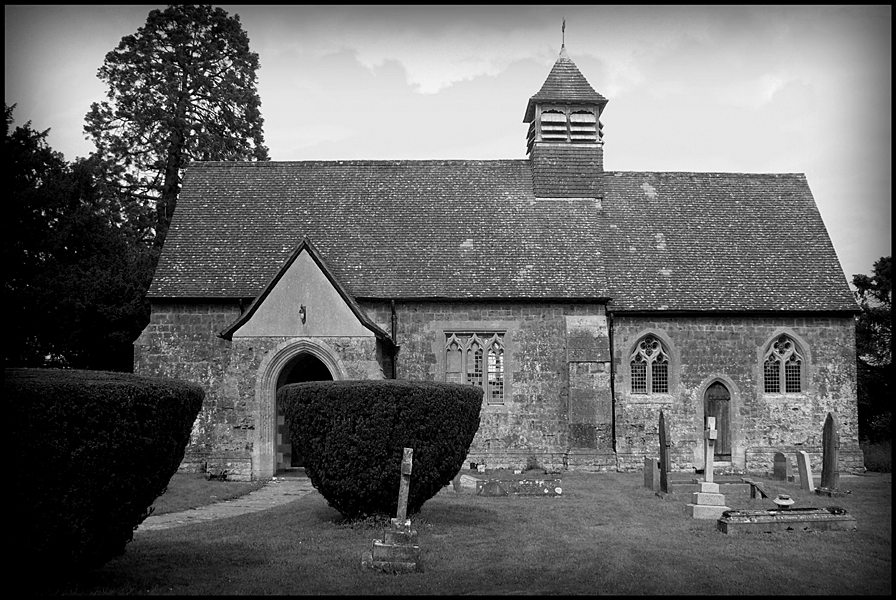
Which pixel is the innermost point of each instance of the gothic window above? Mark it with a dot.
(783, 367)
(650, 367)
(477, 358)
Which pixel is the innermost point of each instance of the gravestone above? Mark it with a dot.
(708, 503)
(651, 473)
(709, 440)
(783, 470)
(398, 551)
(830, 470)
(492, 487)
(665, 461)
(407, 463)
(830, 443)
(464, 484)
(805, 469)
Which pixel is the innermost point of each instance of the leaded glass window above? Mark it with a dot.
(783, 367)
(477, 358)
(649, 367)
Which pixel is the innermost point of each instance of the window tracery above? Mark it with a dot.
(649, 367)
(783, 367)
(477, 358)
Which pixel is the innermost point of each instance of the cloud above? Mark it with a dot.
(757, 91)
(435, 62)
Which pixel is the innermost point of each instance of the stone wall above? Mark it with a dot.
(731, 350)
(558, 409)
(533, 424)
(181, 341)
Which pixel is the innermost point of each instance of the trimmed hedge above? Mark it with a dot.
(91, 451)
(352, 435)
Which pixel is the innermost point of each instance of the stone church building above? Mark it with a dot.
(582, 301)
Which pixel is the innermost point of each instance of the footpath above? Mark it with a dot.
(276, 492)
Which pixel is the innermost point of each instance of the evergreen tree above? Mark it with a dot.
(182, 88)
(874, 349)
(76, 279)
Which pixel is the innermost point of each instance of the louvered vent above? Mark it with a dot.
(530, 137)
(582, 126)
(553, 126)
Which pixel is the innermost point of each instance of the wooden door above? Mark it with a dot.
(717, 403)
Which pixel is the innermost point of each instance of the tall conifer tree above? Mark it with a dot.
(182, 88)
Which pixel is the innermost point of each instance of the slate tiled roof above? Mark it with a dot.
(387, 229)
(476, 229)
(565, 83)
(719, 241)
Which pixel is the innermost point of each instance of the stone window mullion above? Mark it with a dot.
(783, 367)
(480, 362)
(649, 367)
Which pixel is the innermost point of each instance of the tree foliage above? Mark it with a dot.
(113, 440)
(874, 335)
(352, 434)
(76, 278)
(182, 88)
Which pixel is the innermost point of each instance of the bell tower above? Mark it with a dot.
(565, 142)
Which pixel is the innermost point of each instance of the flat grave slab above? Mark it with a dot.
(525, 487)
(733, 522)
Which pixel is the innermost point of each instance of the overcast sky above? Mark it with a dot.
(734, 89)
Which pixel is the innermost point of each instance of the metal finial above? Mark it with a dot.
(563, 41)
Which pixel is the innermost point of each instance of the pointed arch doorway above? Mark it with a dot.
(303, 367)
(717, 403)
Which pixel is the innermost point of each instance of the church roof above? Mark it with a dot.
(476, 230)
(564, 84)
(719, 241)
(387, 229)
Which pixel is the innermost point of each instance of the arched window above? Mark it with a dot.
(783, 367)
(477, 358)
(650, 367)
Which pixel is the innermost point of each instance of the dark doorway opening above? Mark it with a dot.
(304, 367)
(717, 404)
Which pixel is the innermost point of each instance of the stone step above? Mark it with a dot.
(701, 511)
(705, 499)
(401, 567)
(396, 537)
(393, 553)
(681, 487)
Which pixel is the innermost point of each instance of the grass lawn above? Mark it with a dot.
(191, 490)
(606, 534)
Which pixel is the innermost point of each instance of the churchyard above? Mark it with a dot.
(605, 534)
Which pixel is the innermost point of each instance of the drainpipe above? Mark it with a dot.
(394, 341)
(612, 378)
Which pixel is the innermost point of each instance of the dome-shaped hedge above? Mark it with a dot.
(91, 451)
(352, 435)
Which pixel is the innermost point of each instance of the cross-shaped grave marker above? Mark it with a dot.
(710, 435)
(398, 550)
(407, 463)
(708, 503)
